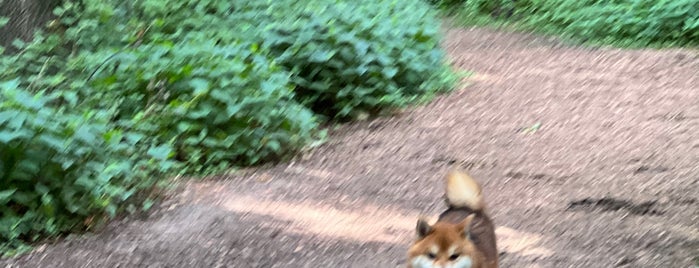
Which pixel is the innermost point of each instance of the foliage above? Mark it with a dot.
(447, 5)
(116, 95)
(354, 57)
(219, 104)
(90, 120)
(60, 166)
(217, 99)
(619, 22)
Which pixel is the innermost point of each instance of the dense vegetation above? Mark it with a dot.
(635, 23)
(115, 95)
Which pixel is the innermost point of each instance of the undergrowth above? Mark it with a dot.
(113, 96)
(624, 23)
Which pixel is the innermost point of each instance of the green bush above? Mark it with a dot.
(98, 107)
(116, 95)
(620, 22)
(218, 104)
(185, 80)
(59, 166)
(354, 57)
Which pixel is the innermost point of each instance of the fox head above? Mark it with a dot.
(444, 245)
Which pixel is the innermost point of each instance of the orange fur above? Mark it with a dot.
(448, 243)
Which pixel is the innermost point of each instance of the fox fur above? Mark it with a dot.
(463, 236)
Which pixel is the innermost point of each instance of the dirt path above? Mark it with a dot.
(589, 158)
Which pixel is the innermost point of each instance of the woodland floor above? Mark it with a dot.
(589, 157)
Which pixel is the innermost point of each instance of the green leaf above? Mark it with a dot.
(134, 137)
(8, 136)
(4, 21)
(147, 204)
(54, 142)
(6, 195)
(200, 113)
(23, 197)
(85, 134)
(320, 56)
(85, 183)
(19, 44)
(161, 152)
(10, 85)
(47, 205)
(232, 110)
(361, 47)
(41, 188)
(27, 100)
(274, 145)
(111, 210)
(200, 86)
(389, 72)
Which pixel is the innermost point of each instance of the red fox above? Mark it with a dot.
(464, 235)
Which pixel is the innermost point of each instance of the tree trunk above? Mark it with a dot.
(25, 17)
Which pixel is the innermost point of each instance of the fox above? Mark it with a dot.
(464, 234)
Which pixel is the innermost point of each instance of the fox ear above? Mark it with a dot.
(466, 224)
(423, 228)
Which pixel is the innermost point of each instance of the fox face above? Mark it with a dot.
(444, 245)
(463, 237)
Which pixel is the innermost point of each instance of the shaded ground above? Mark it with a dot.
(589, 158)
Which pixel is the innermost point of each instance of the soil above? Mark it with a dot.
(589, 157)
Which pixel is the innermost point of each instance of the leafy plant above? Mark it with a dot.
(113, 96)
(218, 99)
(218, 104)
(60, 166)
(90, 121)
(354, 57)
(620, 22)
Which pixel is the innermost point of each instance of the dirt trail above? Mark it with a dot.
(589, 158)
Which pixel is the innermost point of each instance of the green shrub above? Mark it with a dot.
(185, 79)
(620, 22)
(95, 109)
(218, 104)
(353, 57)
(59, 166)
